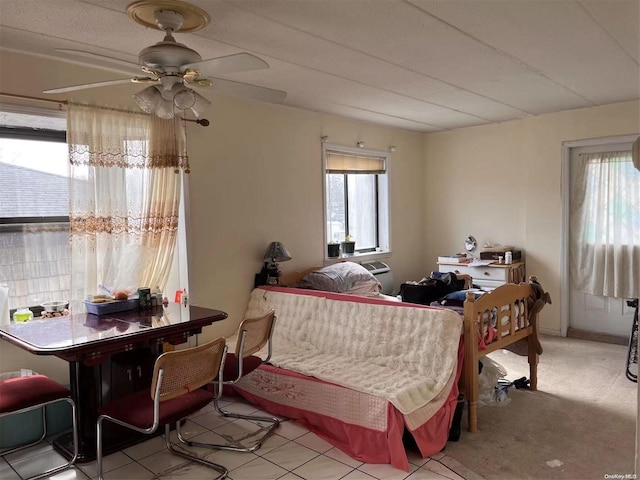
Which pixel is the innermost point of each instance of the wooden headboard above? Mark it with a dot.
(293, 279)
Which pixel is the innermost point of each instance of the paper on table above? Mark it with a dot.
(480, 263)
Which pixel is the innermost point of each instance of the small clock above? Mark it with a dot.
(470, 245)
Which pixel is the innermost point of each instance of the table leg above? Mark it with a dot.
(85, 385)
(91, 385)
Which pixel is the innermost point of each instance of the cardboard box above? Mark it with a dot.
(494, 253)
(501, 249)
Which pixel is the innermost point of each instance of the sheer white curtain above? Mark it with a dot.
(605, 225)
(124, 197)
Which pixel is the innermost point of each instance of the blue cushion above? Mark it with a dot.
(456, 299)
(460, 295)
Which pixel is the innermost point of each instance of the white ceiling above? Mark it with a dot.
(419, 65)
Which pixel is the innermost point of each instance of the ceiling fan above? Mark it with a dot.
(173, 69)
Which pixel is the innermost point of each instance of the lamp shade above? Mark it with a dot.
(151, 100)
(148, 98)
(200, 104)
(276, 253)
(183, 97)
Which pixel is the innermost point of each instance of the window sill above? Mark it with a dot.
(359, 257)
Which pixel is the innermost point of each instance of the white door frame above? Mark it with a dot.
(564, 195)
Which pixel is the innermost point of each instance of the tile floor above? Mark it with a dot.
(293, 453)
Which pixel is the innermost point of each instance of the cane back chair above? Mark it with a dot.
(175, 393)
(253, 335)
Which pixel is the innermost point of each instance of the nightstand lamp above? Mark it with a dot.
(274, 254)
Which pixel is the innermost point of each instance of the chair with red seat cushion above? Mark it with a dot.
(175, 393)
(33, 392)
(253, 335)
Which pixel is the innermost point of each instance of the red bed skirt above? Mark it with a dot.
(363, 443)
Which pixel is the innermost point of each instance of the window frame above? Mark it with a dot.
(383, 203)
(15, 224)
(36, 134)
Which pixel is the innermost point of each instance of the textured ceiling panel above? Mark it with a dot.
(323, 106)
(400, 35)
(622, 22)
(354, 95)
(422, 65)
(580, 44)
(292, 47)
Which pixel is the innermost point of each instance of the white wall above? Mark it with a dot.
(502, 183)
(256, 177)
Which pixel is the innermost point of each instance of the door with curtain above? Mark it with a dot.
(604, 235)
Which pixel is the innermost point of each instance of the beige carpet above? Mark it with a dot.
(580, 424)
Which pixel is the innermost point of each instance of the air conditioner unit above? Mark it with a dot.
(383, 273)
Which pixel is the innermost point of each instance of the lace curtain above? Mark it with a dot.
(124, 197)
(605, 225)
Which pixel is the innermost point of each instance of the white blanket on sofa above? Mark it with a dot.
(403, 354)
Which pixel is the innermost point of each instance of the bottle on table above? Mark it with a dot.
(22, 315)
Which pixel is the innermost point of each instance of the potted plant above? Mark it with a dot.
(333, 249)
(348, 246)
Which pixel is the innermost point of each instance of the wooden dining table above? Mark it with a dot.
(109, 356)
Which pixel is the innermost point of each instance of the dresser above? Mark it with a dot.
(488, 276)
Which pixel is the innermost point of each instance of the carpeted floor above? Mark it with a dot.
(580, 424)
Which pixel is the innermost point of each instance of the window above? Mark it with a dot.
(604, 221)
(611, 207)
(357, 197)
(34, 206)
(35, 253)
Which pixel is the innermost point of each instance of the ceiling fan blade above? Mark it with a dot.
(246, 90)
(116, 61)
(240, 62)
(84, 86)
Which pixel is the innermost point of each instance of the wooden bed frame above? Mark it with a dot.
(510, 305)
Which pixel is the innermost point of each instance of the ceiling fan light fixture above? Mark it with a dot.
(167, 94)
(200, 104)
(163, 103)
(151, 100)
(148, 98)
(164, 109)
(184, 98)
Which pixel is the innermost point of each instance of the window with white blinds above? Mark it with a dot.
(356, 198)
(338, 162)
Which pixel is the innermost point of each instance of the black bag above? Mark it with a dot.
(430, 289)
(425, 292)
(451, 279)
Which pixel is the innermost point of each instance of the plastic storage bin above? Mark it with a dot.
(111, 307)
